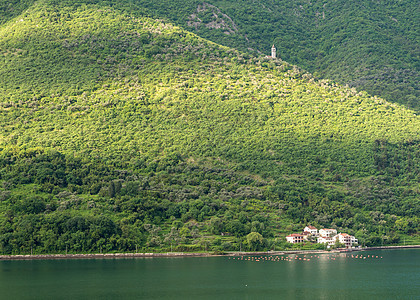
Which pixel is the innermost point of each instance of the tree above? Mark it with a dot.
(172, 237)
(338, 244)
(255, 241)
(216, 225)
(236, 228)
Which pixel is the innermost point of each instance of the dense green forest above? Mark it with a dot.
(369, 45)
(122, 132)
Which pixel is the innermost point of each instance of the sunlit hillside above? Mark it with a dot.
(119, 130)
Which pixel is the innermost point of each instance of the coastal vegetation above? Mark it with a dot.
(121, 132)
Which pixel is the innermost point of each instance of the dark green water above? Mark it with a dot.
(395, 276)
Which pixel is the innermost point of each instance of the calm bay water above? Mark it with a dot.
(395, 276)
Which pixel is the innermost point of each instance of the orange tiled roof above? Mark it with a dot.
(295, 235)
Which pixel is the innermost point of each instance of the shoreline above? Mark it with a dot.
(389, 247)
(187, 254)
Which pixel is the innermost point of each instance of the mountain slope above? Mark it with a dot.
(120, 131)
(373, 46)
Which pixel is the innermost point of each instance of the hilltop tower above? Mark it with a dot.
(273, 52)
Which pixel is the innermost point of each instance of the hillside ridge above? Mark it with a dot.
(371, 46)
(120, 130)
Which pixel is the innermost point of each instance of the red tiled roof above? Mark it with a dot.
(311, 227)
(295, 235)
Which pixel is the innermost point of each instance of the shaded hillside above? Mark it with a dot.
(119, 131)
(12, 8)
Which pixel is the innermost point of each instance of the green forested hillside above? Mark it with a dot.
(370, 45)
(121, 131)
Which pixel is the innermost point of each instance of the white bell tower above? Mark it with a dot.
(273, 52)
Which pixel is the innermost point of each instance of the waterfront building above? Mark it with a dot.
(306, 235)
(311, 229)
(330, 241)
(325, 232)
(346, 239)
(294, 238)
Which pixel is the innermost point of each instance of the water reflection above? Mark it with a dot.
(323, 276)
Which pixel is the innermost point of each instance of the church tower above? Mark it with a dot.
(273, 52)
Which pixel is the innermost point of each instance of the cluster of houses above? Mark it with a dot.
(323, 236)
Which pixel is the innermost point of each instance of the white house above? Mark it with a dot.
(325, 232)
(330, 241)
(346, 239)
(294, 238)
(311, 229)
(325, 236)
(306, 235)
